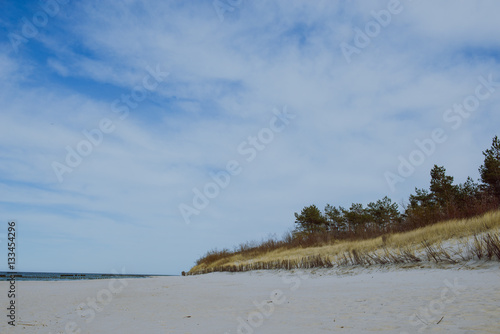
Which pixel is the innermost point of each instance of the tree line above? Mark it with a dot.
(443, 200)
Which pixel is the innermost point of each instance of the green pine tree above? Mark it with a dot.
(490, 170)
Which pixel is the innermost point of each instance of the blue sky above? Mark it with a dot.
(173, 93)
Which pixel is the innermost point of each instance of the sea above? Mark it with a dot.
(39, 276)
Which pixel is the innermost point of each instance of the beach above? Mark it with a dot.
(458, 299)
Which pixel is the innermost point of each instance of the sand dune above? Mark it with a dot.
(452, 300)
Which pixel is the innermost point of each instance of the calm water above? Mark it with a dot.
(34, 276)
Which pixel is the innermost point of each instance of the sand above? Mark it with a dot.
(429, 300)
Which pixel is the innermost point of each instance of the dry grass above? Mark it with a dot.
(408, 247)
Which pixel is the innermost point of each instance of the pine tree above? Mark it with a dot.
(490, 170)
(383, 212)
(356, 217)
(310, 220)
(442, 189)
(336, 219)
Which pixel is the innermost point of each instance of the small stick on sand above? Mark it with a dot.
(421, 320)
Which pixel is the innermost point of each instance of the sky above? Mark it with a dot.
(137, 135)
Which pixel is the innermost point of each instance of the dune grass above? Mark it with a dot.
(480, 235)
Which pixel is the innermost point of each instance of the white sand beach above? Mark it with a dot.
(453, 300)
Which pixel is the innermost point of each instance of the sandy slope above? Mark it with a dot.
(362, 301)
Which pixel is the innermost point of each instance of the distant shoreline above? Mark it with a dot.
(51, 276)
